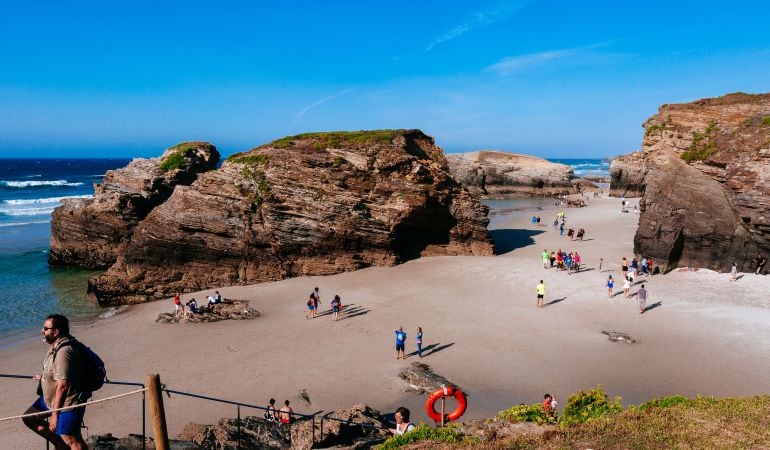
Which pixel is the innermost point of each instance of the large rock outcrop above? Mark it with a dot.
(91, 232)
(312, 204)
(704, 172)
(500, 174)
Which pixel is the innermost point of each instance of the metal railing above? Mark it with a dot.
(117, 383)
(238, 405)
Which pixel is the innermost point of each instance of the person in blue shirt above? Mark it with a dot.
(419, 342)
(400, 341)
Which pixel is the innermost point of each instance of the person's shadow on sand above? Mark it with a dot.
(653, 306)
(508, 240)
(555, 301)
(430, 349)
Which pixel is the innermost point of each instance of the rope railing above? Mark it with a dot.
(168, 392)
(143, 391)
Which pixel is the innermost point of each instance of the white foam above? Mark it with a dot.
(35, 201)
(21, 224)
(112, 311)
(15, 212)
(24, 184)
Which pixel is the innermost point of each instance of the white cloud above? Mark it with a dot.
(319, 102)
(496, 13)
(512, 64)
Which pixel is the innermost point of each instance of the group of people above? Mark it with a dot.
(401, 342)
(314, 303)
(283, 416)
(562, 260)
(629, 272)
(191, 307)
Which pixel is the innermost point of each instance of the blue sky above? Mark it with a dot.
(555, 79)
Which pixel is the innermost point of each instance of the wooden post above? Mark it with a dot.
(443, 400)
(157, 413)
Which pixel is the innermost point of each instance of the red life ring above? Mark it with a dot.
(462, 404)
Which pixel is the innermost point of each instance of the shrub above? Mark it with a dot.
(665, 402)
(425, 433)
(587, 406)
(766, 120)
(240, 158)
(335, 139)
(527, 413)
(176, 160)
(701, 147)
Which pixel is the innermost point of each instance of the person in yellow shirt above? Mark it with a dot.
(540, 294)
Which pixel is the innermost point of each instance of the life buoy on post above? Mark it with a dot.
(450, 391)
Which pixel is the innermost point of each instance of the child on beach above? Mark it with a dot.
(310, 308)
(610, 285)
(419, 342)
(626, 287)
(336, 305)
(734, 273)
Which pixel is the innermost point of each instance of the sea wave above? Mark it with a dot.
(21, 224)
(25, 184)
(16, 212)
(32, 176)
(35, 201)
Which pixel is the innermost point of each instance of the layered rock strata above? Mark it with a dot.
(500, 174)
(703, 172)
(312, 204)
(91, 232)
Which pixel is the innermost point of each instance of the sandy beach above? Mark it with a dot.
(481, 327)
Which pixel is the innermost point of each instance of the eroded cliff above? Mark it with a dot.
(312, 204)
(500, 174)
(703, 172)
(91, 232)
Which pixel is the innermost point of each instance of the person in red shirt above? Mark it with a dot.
(549, 405)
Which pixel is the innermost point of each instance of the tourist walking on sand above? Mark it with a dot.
(645, 265)
(540, 294)
(178, 307)
(310, 307)
(561, 229)
(734, 273)
(576, 260)
(545, 258)
(336, 305)
(626, 287)
(601, 262)
(285, 413)
(419, 341)
(555, 224)
(270, 414)
(624, 266)
(316, 300)
(400, 342)
(61, 385)
(610, 285)
(552, 258)
(642, 294)
(760, 261)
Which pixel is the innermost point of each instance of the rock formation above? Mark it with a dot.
(703, 171)
(499, 174)
(312, 204)
(90, 232)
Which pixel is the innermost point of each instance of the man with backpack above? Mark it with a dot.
(71, 372)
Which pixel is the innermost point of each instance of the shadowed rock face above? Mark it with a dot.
(496, 173)
(313, 204)
(90, 232)
(704, 172)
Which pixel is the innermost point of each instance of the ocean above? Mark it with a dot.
(30, 189)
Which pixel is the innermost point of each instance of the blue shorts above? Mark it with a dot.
(69, 421)
(399, 347)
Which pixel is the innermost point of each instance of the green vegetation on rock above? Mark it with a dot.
(526, 413)
(253, 173)
(334, 139)
(766, 120)
(243, 158)
(446, 435)
(176, 160)
(702, 146)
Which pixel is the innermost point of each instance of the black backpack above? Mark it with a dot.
(94, 372)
